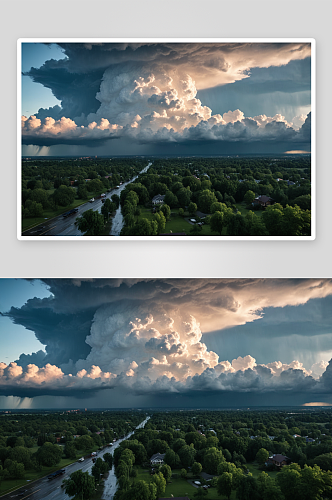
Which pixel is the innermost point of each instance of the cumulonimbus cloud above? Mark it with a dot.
(144, 336)
(148, 93)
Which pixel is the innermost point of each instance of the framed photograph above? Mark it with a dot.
(209, 139)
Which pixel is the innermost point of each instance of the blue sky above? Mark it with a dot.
(35, 95)
(137, 342)
(143, 98)
(15, 338)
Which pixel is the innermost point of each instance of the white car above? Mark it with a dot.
(92, 200)
(81, 459)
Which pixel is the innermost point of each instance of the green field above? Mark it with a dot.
(243, 210)
(178, 224)
(179, 487)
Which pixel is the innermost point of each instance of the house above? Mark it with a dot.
(296, 436)
(278, 460)
(290, 183)
(278, 179)
(309, 440)
(157, 459)
(158, 199)
(271, 438)
(263, 200)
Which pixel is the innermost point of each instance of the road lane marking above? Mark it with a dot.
(46, 231)
(32, 492)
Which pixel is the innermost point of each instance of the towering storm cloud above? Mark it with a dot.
(147, 337)
(148, 93)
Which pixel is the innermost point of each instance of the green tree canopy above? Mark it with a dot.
(80, 484)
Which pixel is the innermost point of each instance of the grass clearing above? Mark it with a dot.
(243, 210)
(177, 223)
(255, 470)
(179, 487)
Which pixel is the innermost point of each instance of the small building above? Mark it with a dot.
(309, 440)
(278, 460)
(263, 200)
(158, 199)
(157, 459)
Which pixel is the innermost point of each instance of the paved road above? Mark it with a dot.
(45, 489)
(66, 227)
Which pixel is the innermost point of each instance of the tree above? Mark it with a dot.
(289, 479)
(187, 455)
(216, 207)
(70, 450)
(217, 222)
(33, 209)
(85, 443)
(141, 490)
(224, 485)
(183, 473)
(49, 454)
(108, 459)
(272, 218)
(161, 221)
(82, 192)
(116, 199)
(181, 212)
(262, 455)
(303, 201)
(200, 493)
(166, 472)
(107, 208)
(171, 199)
(20, 454)
(14, 468)
(91, 222)
(192, 208)
(205, 200)
(212, 458)
(172, 459)
(196, 468)
(247, 489)
(295, 221)
(196, 230)
(249, 197)
(160, 482)
(267, 488)
(80, 484)
(64, 196)
(165, 209)
(183, 196)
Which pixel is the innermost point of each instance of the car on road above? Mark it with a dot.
(81, 459)
(71, 212)
(92, 200)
